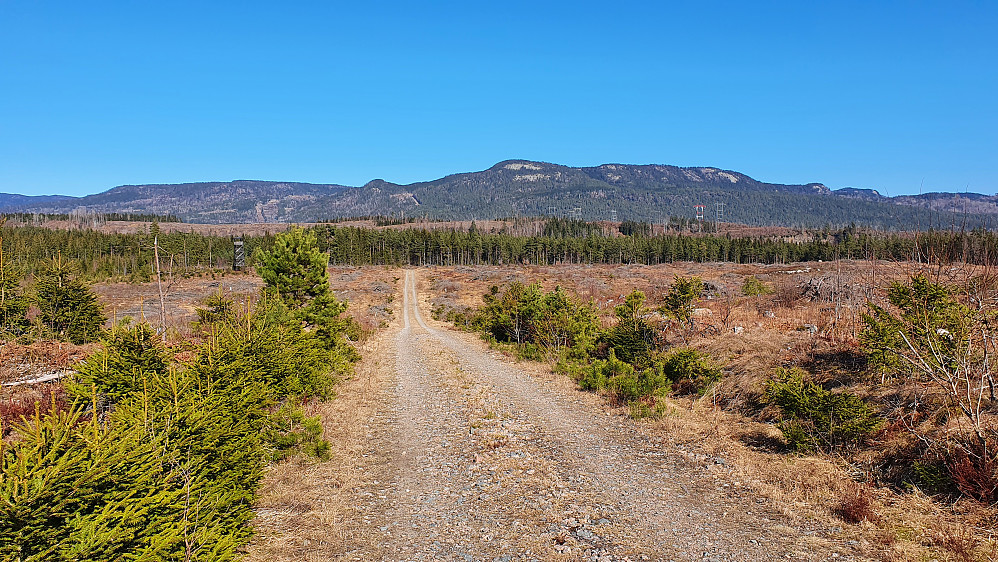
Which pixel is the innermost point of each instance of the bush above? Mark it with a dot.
(163, 462)
(13, 303)
(216, 309)
(169, 473)
(78, 490)
(550, 322)
(682, 297)
(753, 287)
(647, 408)
(597, 375)
(691, 369)
(632, 338)
(932, 477)
(816, 419)
(622, 381)
(857, 505)
(570, 368)
(975, 473)
(935, 334)
(291, 433)
(295, 271)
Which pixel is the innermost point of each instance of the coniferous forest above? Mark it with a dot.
(359, 246)
(99, 256)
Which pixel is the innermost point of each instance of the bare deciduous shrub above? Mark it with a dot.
(446, 286)
(961, 543)
(857, 505)
(975, 473)
(785, 294)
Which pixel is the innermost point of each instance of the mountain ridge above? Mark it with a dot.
(651, 192)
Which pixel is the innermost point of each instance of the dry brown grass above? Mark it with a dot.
(857, 505)
(182, 296)
(304, 508)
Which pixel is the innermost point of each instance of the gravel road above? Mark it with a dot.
(469, 457)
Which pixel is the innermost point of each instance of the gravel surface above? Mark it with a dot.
(468, 457)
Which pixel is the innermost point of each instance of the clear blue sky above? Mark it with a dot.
(889, 95)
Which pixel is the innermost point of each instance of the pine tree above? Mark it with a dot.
(632, 336)
(295, 269)
(13, 304)
(68, 307)
(682, 297)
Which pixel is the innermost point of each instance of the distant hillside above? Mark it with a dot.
(960, 203)
(13, 200)
(520, 187)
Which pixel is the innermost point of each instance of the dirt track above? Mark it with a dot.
(459, 454)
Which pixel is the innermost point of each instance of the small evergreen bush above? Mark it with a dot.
(622, 381)
(753, 287)
(291, 433)
(648, 408)
(632, 338)
(545, 324)
(691, 370)
(130, 354)
(816, 419)
(216, 309)
(682, 298)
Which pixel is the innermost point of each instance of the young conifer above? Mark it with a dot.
(130, 353)
(68, 307)
(13, 303)
(295, 270)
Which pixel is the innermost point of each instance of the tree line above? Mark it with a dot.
(89, 217)
(413, 247)
(100, 256)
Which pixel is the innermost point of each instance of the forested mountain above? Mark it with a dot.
(208, 202)
(520, 187)
(13, 200)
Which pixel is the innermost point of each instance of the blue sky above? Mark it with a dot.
(897, 96)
